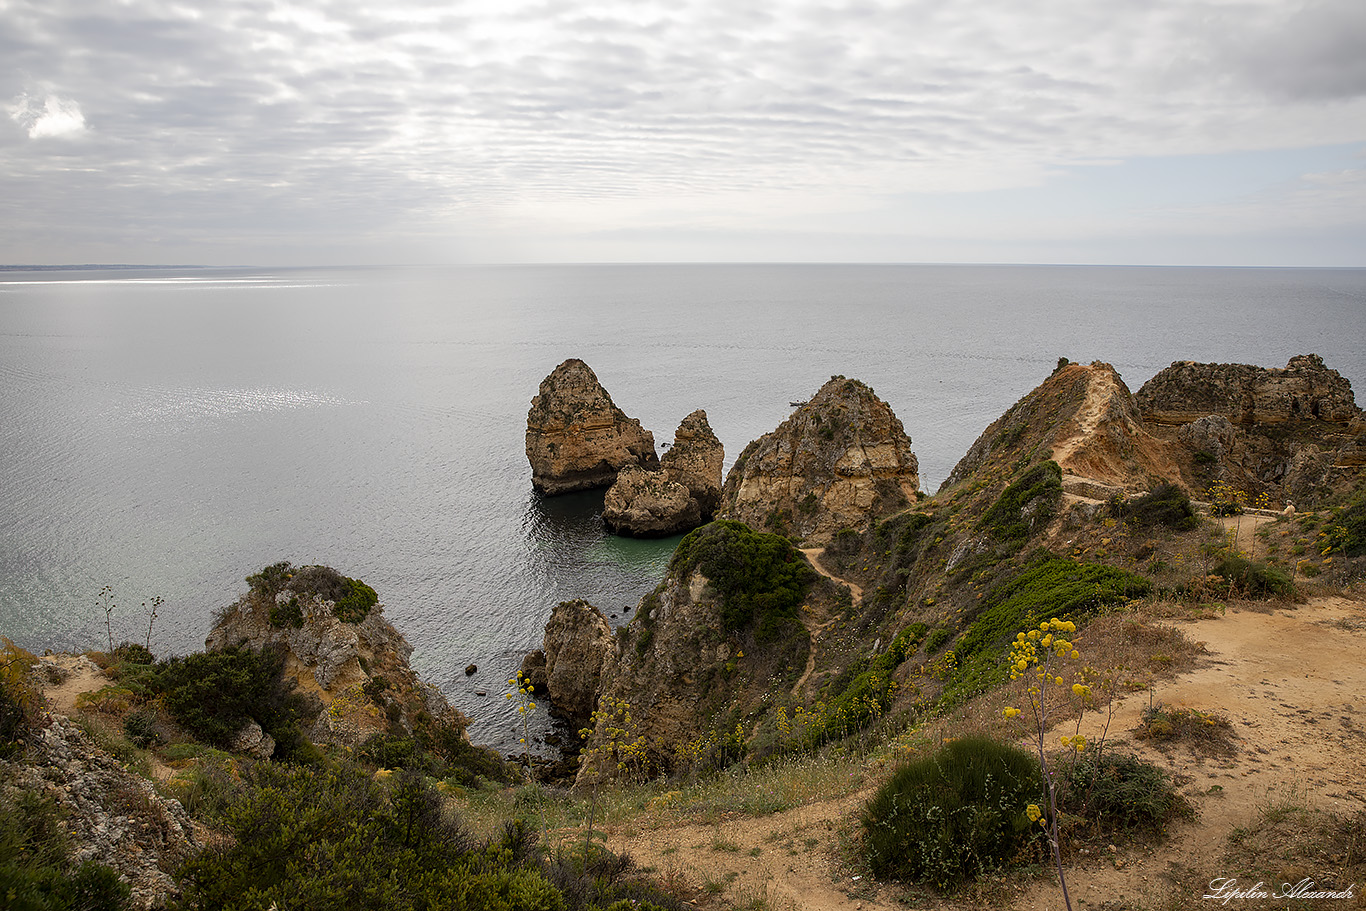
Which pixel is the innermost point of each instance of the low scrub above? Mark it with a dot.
(1166, 505)
(1026, 505)
(943, 819)
(1253, 578)
(762, 578)
(37, 871)
(1111, 793)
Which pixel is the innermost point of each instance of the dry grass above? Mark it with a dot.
(1291, 842)
(1205, 733)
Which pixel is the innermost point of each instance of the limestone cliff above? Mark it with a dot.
(648, 504)
(1282, 434)
(696, 460)
(576, 436)
(841, 460)
(338, 646)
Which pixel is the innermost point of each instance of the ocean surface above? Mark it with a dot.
(166, 432)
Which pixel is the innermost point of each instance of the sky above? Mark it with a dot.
(266, 132)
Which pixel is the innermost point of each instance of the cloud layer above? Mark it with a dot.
(547, 128)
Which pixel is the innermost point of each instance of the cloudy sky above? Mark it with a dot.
(343, 131)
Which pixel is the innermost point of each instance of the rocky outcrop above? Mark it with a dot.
(112, 817)
(1291, 434)
(357, 668)
(577, 438)
(578, 639)
(647, 504)
(696, 460)
(1304, 390)
(841, 460)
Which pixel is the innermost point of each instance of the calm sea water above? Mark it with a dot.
(168, 432)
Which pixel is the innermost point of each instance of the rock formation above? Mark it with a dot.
(696, 460)
(1304, 390)
(647, 504)
(1287, 434)
(112, 816)
(358, 668)
(577, 641)
(577, 438)
(841, 460)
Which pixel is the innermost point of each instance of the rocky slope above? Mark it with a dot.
(576, 436)
(841, 460)
(355, 663)
(112, 817)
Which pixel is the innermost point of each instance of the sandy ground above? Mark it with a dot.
(1291, 681)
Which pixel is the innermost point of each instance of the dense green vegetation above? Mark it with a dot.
(865, 689)
(351, 598)
(1252, 577)
(1025, 505)
(1047, 586)
(1345, 533)
(762, 578)
(1165, 505)
(944, 818)
(1118, 792)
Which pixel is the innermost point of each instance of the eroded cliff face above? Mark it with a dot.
(576, 436)
(357, 668)
(696, 460)
(1281, 434)
(841, 460)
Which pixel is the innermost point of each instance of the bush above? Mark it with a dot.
(1117, 792)
(353, 606)
(762, 578)
(1253, 577)
(36, 869)
(1165, 505)
(140, 728)
(1345, 533)
(944, 819)
(18, 697)
(288, 614)
(1025, 505)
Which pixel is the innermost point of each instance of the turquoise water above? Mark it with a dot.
(168, 432)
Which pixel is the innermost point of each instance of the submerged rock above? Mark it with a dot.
(576, 436)
(841, 460)
(647, 504)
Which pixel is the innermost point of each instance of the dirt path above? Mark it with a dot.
(1292, 683)
(817, 625)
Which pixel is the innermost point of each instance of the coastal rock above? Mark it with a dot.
(357, 668)
(112, 816)
(1280, 434)
(1304, 390)
(578, 639)
(577, 438)
(647, 504)
(696, 460)
(841, 460)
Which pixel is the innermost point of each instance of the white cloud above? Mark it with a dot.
(51, 116)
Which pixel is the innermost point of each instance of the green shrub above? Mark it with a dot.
(1025, 505)
(1165, 505)
(945, 818)
(353, 606)
(1345, 532)
(288, 614)
(214, 694)
(937, 638)
(140, 728)
(761, 578)
(1118, 792)
(133, 653)
(1253, 577)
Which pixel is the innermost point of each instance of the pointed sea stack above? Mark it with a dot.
(695, 460)
(841, 460)
(577, 438)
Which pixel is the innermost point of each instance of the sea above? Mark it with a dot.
(166, 432)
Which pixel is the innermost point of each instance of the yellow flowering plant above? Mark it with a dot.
(1043, 655)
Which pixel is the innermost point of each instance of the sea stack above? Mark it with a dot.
(695, 460)
(841, 460)
(576, 436)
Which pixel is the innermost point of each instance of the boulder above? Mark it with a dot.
(647, 504)
(254, 742)
(696, 460)
(577, 438)
(841, 460)
(578, 640)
